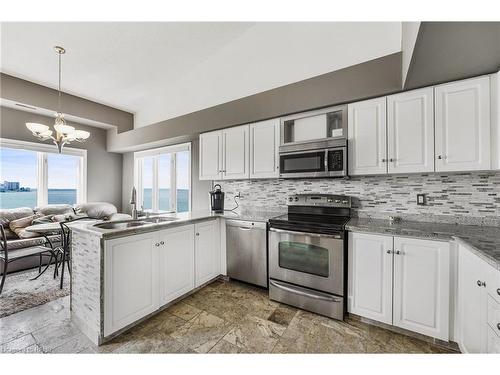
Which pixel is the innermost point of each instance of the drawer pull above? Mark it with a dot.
(481, 283)
(498, 326)
(498, 291)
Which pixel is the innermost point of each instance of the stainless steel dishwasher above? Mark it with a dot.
(246, 244)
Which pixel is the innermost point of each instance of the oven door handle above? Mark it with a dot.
(322, 296)
(337, 236)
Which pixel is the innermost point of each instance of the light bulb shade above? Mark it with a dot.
(46, 134)
(36, 128)
(65, 130)
(81, 134)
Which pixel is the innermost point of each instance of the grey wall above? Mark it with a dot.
(369, 79)
(452, 197)
(25, 92)
(448, 51)
(104, 169)
(409, 33)
(199, 189)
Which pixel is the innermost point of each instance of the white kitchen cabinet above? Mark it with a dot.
(477, 303)
(236, 153)
(367, 137)
(462, 125)
(400, 281)
(176, 262)
(130, 280)
(422, 286)
(370, 276)
(211, 165)
(472, 303)
(264, 149)
(493, 346)
(410, 131)
(207, 252)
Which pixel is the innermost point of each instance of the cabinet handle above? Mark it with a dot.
(162, 243)
(481, 283)
(389, 252)
(398, 252)
(384, 160)
(498, 326)
(197, 234)
(392, 160)
(440, 157)
(498, 291)
(157, 244)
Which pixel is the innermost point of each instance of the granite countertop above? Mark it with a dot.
(180, 219)
(483, 240)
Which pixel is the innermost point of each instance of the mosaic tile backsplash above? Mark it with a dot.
(463, 198)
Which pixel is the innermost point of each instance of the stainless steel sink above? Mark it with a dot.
(160, 219)
(121, 224)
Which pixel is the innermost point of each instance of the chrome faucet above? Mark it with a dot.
(133, 202)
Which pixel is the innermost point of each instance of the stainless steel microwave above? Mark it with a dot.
(327, 158)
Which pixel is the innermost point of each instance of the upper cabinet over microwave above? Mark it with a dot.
(314, 125)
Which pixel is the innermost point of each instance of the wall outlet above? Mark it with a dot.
(421, 199)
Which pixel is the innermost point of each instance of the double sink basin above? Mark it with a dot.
(125, 224)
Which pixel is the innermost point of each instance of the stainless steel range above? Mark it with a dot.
(307, 253)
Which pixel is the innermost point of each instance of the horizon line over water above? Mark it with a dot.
(16, 199)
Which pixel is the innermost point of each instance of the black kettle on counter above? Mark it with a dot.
(217, 199)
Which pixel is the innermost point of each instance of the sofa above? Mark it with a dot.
(13, 221)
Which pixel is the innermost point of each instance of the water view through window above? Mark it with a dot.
(19, 178)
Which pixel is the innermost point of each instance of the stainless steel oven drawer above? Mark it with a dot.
(307, 299)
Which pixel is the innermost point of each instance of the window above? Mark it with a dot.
(34, 174)
(163, 178)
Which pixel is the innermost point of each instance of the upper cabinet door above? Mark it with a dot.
(236, 155)
(264, 149)
(370, 276)
(410, 127)
(367, 137)
(422, 286)
(211, 155)
(463, 125)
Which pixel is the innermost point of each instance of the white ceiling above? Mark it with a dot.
(162, 70)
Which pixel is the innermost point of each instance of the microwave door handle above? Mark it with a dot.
(326, 160)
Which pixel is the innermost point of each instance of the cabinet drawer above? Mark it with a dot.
(493, 342)
(494, 315)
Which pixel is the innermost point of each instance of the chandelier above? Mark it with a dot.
(64, 133)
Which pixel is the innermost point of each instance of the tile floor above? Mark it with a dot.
(223, 317)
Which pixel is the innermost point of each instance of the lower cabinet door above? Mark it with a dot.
(207, 252)
(370, 276)
(422, 286)
(176, 262)
(472, 302)
(130, 280)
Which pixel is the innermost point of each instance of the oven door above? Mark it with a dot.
(310, 260)
(304, 164)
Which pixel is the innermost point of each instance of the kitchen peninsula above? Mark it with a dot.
(127, 271)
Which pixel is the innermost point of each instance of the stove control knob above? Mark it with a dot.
(296, 199)
(290, 199)
(345, 201)
(330, 200)
(337, 200)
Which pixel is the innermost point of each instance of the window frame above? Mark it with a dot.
(42, 150)
(155, 153)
